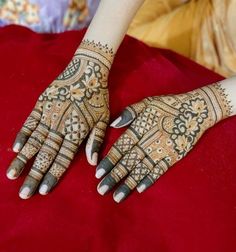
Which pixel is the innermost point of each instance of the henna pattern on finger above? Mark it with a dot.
(29, 126)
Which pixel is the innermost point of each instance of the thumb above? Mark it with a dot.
(95, 141)
(130, 113)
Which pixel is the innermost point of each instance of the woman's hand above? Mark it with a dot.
(163, 131)
(74, 105)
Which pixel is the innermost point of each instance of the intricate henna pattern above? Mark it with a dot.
(72, 106)
(164, 130)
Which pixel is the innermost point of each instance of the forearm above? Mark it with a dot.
(111, 22)
(230, 90)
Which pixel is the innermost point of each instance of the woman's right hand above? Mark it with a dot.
(74, 105)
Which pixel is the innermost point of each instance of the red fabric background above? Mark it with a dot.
(191, 208)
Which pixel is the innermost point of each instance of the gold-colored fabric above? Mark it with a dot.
(202, 30)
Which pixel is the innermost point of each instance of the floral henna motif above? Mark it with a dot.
(162, 133)
(74, 104)
(187, 125)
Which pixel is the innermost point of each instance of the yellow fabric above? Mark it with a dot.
(203, 30)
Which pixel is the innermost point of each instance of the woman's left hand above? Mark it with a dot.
(163, 131)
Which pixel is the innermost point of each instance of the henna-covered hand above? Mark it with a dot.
(75, 104)
(163, 130)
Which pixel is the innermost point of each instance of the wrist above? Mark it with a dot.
(89, 50)
(111, 21)
(218, 104)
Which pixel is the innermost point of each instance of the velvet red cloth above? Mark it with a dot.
(191, 208)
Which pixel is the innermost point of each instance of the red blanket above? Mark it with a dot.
(191, 208)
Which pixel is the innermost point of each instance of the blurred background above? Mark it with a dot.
(202, 30)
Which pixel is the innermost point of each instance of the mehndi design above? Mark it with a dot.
(72, 106)
(164, 130)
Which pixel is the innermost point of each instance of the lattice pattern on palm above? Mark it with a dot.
(70, 70)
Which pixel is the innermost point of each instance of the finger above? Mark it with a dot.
(152, 177)
(29, 126)
(134, 178)
(75, 132)
(59, 166)
(150, 144)
(31, 147)
(124, 144)
(129, 114)
(95, 141)
(125, 165)
(41, 164)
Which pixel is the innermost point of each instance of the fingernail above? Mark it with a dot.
(16, 147)
(100, 173)
(105, 164)
(24, 193)
(106, 184)
(43, 190)
(15, 168)
(47, 184)
(113, 124)
(11, 174)
(121, 193)
(141, 188)
(103, 189)
(94, 158)
(119, 197)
